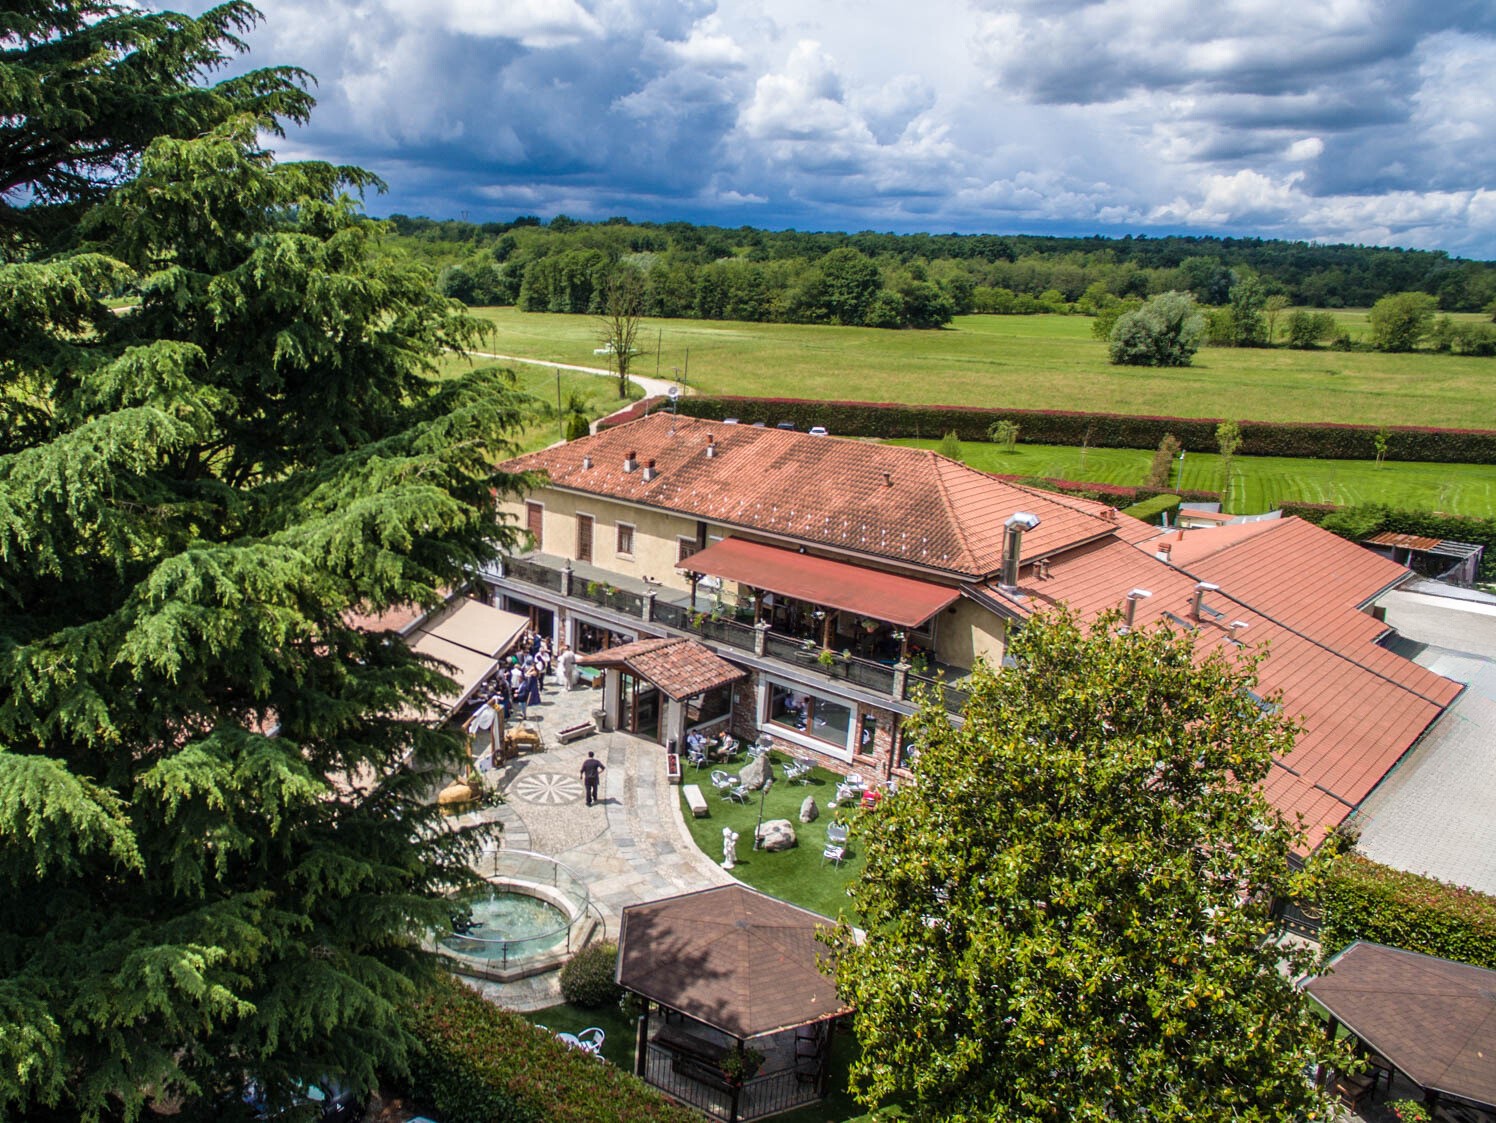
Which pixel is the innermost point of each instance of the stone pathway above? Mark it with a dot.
(631, 846)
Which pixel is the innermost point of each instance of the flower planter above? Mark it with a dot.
(672, 768)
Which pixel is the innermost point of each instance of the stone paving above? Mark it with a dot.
(631, 846)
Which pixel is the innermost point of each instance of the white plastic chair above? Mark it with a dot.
(738, 792)
(590, 1040)
(836, 843)
(722, 781)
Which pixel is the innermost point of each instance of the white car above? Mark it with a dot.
(817, 431)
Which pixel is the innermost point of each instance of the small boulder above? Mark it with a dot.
(809, 812)
(776, 834)
(757, 773)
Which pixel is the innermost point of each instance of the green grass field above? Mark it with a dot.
(1257, 483)
(797, 875)
(600, 394)
(1030, 362)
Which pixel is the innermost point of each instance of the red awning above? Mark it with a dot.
(851, 588)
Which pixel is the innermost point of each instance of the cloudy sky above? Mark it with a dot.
(1347, 120)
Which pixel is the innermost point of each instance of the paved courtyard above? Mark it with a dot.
(629, 847)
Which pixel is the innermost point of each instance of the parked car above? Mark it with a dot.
(786, 425)
(818, 431)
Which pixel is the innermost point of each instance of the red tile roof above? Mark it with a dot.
(679, 667)
(835, 584)
(1362, 708)
(902, 504)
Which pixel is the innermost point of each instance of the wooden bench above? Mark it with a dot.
(696, 801)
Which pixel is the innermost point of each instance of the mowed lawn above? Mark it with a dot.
(539, 383)
(1029, 362)
(1258, 483)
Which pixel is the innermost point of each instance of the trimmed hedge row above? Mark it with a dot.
(1361, 522)
(1323, 440)
(1150, 509)
(1363, 900)
(477, 1063)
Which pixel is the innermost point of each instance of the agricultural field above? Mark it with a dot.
(599, 394)
(1258, 483)
(1029, 362)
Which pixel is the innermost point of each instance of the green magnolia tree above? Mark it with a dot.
(213, 844)
(1068, 915)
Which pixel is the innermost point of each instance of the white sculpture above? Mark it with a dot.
(729, 848)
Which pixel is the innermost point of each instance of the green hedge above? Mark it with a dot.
(1150, 509)
(1366, 901)
(885, 420)
(477, 1063)
(1361, 522)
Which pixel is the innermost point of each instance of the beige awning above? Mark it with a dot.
(474, 625)
(467, 668)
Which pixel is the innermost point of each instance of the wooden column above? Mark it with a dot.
(641, 1043)
(826, 628)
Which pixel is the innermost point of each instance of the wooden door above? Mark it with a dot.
(584, 538)
(534, 522)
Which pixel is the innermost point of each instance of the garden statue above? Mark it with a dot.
(729, 848)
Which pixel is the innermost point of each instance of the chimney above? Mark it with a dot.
(711, 446)
(1013, 548)
(1130, 609)
(586, 462)
(1199, 598)
(649, 471)
(1164, 549)
(1041, 569)
(888, 479)
(629, 461)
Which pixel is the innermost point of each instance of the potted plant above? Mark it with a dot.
(827, 658)
(672, 768)
(740, 1064)
(868, 625)
(1409, 1111)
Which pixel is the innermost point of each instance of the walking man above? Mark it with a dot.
(567, 661)
(590, 769)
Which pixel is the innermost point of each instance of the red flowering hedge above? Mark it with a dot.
(632, 412)
(1325, 440)
(1363, 900)
(477, 1063)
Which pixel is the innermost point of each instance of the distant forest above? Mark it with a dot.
(903, 280)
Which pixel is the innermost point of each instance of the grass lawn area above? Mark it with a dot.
(797, 875)
(1258, 483)
(600, 394)
(1030, 362)
(618, 1045)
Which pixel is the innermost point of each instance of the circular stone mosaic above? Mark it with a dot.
(547, 788)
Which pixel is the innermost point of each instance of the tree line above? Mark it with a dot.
(906, 280)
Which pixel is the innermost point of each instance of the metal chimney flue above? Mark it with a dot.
(1019, 522)
(1130, 608)
(1199, 598)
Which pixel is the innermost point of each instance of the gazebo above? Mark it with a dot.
(732, 969)
(1433, 1020)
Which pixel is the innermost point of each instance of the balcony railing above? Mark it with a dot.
(534, 573)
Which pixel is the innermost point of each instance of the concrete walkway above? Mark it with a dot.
(631, 846)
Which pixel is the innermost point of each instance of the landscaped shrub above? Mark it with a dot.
(1363, 900)
(477, 1063)
(1323, 440)
(1149, 510)
(588, 977)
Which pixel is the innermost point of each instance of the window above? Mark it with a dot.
(534, 523)
(625, 539)
(684, 548)
(823, 719)
(584, 538)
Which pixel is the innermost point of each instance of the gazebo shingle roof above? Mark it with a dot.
(679, 667)
(732, 957)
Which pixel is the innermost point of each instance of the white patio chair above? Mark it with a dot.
(696, 754)
(722, 781)
(590, 1040)
(797, 770)
(739, 792)
(836, 843)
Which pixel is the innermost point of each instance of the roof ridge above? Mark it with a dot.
(948, 506)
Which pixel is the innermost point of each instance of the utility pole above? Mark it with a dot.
(685, 378)
(560, 417)
(659, 338)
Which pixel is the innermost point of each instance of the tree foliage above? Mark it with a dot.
(210, 811)
(1164, 332)
(1069, 914)
(1400, 320)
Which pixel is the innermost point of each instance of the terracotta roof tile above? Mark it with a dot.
(679, 667)
(903, 504)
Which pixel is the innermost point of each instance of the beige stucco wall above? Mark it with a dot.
(971, 631)
(655, 534)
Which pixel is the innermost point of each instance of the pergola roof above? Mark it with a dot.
(681, 668)
(737, 959)
(1433, 1019)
